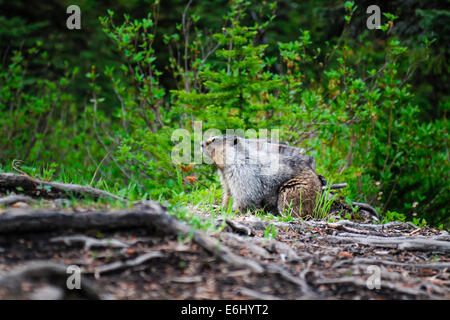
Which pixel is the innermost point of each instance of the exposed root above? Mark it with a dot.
(12, 199)
(44, 279)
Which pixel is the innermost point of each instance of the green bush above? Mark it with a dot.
(349, 104)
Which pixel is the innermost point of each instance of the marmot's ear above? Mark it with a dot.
(235, 141)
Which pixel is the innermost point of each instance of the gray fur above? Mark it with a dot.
(252, 170)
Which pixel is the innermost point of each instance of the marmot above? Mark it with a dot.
(252, 170)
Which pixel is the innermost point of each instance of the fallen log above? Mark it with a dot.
(13, 198)
(334, 186)
(89, 242)
(118, 265)
(393, 242)
(358, 282)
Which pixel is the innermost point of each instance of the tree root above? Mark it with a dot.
(90, 242)
(151, 215)
(42, 276)
(252, 294)
(418, 244)
(368, 261)
(239, 228)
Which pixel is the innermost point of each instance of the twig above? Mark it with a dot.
(118, 265)
(384, 284)
(239, 228)
(367, 207)
(255, 294)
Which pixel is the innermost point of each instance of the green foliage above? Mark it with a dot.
(323, 205)
(347, 99)
(235, 91)
(38, 118)
(270, 232)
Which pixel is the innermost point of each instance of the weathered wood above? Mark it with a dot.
(54, 274)
(335, 186)
(13, 198)
(89, 242)
(52, 190)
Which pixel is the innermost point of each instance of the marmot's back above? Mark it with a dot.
(304, 187)
(283, 149)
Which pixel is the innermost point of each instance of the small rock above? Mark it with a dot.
(47, 293)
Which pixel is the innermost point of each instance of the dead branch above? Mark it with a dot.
(335, 186)
(52, 190)
(252, 294)
(435, 265)
(13, 198)
(341, 226)
(367, 207)
(187, 279)
(394, 242)
(285, 251)
(90, 242)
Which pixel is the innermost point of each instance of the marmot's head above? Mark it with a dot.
(221, 149)
(229, 150)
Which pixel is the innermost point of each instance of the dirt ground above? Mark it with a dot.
(305, 260)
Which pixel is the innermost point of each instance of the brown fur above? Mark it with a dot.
(308, 185)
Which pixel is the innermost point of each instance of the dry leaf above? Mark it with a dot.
(345, 254)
